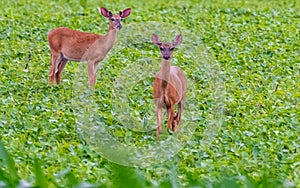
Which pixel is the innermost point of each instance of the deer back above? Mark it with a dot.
(73, 44)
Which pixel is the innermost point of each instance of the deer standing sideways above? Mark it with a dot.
(169, 86)
(67, 44)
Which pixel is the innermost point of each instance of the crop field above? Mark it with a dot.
(240, 125)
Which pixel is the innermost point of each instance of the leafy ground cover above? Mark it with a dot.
(253, 47)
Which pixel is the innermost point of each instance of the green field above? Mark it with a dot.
(241, 124)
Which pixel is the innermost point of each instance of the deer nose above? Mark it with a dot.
(119, 26)
(166, 57)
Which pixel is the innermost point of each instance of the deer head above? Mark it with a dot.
(166, 48)
(115, 19)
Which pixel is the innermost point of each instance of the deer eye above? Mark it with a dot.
(172, 48)
(161, 48)
(112, 19)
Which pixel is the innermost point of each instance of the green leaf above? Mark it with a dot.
(8, 163)
(40, 178)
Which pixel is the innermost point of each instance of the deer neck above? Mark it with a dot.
(165, 72)
(108, 40)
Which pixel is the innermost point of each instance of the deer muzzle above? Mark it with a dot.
(166, 57)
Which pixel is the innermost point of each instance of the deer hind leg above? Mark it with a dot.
(180, 109)
(55, 60)
(61, 65)
(159, 122)
(178, 115)
(52, 67)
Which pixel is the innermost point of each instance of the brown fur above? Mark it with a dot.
(169, 87)
(67, 44)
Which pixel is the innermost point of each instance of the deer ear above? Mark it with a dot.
(106, 13)
(125, 13)
(177, 40)
(155, 39)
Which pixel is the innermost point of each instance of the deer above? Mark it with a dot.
(68, 44)
(169, 87)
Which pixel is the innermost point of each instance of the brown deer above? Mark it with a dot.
(169, 86)
(67, 44)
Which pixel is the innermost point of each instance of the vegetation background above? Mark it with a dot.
(254, 43)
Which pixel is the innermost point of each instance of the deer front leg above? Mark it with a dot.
(175, 122)
(96, 66)
(159, 122)
(91, 74)
(170, 118)
(174, 119)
